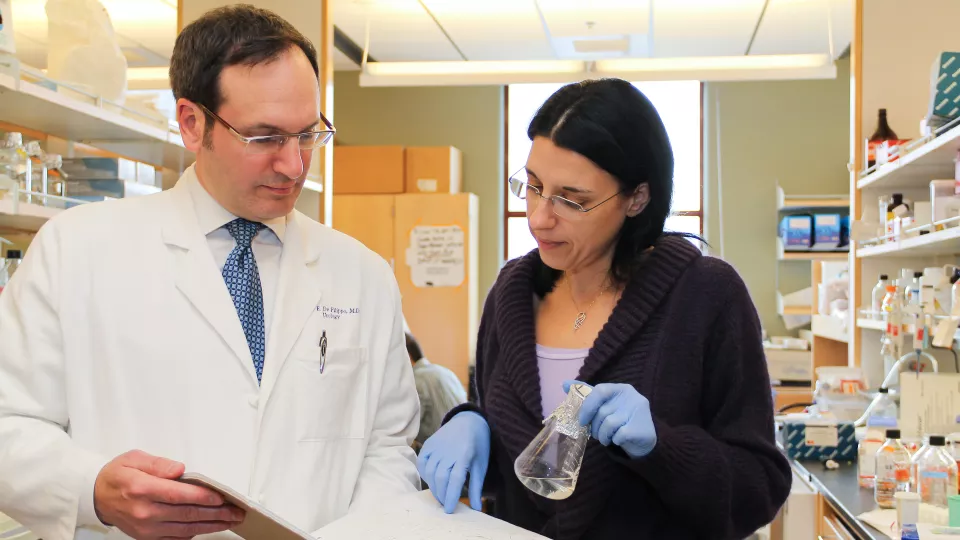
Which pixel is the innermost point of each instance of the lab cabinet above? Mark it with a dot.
(431, 241)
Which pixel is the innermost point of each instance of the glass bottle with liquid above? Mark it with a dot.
(550, 464)
(893, 470)
(882, 133)
(936, 473)
(883, 416)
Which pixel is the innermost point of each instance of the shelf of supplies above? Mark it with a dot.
(870, 324)
(810, 255)
(796, 310)
(789, 203)
(813, 256)
(833, 328)
(74, 117)
(930, 160)
(945, 242)
(26, 216)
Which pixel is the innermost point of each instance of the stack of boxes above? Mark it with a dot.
(820, 231)
(100, 178)
(406, 204)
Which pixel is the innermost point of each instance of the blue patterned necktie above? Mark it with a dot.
(243, 281)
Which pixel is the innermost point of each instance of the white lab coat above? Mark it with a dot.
(118, 333)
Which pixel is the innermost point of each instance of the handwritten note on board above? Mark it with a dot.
(437, 256)
(419, 516)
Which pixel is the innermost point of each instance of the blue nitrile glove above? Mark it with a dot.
(619, 414)
(461, 446)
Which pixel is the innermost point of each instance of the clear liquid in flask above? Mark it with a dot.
(555, 489)
(550, 464)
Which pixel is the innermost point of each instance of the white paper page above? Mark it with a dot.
(885, 521)
(420, 517)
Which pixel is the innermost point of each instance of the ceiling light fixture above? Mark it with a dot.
(707, 68)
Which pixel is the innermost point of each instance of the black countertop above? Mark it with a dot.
(842, 491)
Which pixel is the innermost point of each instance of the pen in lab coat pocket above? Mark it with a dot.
(323, 350)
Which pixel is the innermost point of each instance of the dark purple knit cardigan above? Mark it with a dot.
(686, 335)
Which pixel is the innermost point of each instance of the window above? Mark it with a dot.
(679, 105)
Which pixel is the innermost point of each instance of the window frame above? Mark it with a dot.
(508, 214)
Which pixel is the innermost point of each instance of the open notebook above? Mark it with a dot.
(259, 523)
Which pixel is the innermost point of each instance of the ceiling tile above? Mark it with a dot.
(704, 27)
(581, 18)
(399, 29)
(793, 27)
(494, 29)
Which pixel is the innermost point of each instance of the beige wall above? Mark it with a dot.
(469, 118)
(792, 132)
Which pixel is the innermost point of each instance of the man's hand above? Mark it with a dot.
(138, 493)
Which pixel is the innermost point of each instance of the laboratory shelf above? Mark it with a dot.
(24, 216)
(924, 160)
(63, 112)
(796, 203)
(796, 310)
(870, 324)
(833, 328)
(945, 242)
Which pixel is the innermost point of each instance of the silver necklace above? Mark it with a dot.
(582, 315)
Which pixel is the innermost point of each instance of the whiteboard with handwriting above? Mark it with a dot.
(437, 256)
(420, 517)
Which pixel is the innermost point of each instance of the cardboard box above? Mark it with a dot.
(433, 169)
(827, 228)
(363, 170)
(797, 232)
(820, 440)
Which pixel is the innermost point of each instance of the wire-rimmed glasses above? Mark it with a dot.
(271, 144)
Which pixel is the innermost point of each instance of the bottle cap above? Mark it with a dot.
(884, 390)
(884, 277)
(893, 433)
(918, 274)
(938, 440)
(14, 254)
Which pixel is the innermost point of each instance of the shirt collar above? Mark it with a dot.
(212, 216)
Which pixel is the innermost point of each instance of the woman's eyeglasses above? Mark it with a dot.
(271, 144)
(563, 208)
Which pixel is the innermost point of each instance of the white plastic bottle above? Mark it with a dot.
(879, 291)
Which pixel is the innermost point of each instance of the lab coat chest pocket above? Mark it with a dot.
(333, 404)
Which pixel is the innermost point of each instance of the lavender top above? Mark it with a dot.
(557, 365)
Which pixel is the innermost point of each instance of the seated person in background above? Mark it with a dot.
(439, 390)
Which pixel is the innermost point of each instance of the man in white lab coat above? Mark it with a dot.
(210, 328)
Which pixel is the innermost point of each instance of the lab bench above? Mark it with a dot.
(824, 504)
(840, 499)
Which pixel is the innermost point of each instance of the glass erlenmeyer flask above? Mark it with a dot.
(550, 464)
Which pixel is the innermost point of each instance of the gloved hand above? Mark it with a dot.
(461, 446)
(619, 414)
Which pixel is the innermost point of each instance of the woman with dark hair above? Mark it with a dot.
(669, 339)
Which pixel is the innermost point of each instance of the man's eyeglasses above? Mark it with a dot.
(564, 208)
(271, 144)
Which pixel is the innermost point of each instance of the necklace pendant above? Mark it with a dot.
(579, 322)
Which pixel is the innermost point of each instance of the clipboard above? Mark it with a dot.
(259, 523)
